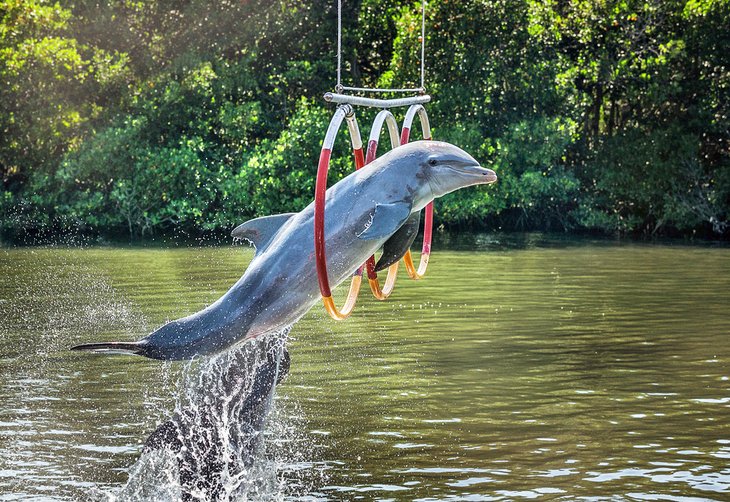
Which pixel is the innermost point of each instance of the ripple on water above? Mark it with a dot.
(584, 371)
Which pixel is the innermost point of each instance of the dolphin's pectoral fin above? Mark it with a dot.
(399, 243)
(259, 231)
(386, 220)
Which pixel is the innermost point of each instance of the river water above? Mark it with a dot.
(544, 370)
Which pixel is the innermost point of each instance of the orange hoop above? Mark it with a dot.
(428, 220)
(343, 112)
(383, 117)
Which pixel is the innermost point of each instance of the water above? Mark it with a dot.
(571, 371)
(212, 448)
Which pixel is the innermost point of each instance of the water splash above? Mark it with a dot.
(212, 447)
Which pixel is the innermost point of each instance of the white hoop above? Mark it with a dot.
(389, 119)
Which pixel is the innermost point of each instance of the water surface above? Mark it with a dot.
(571, 371)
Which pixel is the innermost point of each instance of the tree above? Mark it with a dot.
(51, 87)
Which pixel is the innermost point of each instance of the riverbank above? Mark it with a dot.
(442, 239)
(595, 117)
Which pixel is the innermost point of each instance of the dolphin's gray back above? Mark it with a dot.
(280, 284)
(362, 212)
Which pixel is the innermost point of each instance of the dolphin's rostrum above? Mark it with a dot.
(363, 211)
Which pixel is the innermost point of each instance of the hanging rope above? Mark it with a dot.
(339, 87)
(345, 112)
(423, 45)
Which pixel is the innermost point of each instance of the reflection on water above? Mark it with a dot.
(573, 370)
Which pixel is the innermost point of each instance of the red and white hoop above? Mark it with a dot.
(419, 110)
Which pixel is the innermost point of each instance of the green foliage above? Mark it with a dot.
(185, 185)
(149, 117)
(536, 191)
(651, 181)
(52, 87)
(141, 188)
(279, 174)
(530, 158)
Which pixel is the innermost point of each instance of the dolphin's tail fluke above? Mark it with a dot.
(112, 348)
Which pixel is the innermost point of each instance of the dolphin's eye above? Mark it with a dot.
(432, 162)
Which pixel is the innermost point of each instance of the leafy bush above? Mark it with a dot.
(534, 189)
(126, 117)
(652, 181)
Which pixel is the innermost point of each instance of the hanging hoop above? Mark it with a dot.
(383, 117)
(344, 112)
(428, 220)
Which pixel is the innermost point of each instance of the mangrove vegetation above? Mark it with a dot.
(158, 117)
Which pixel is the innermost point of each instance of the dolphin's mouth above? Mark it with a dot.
(483, 174)
(460, 174)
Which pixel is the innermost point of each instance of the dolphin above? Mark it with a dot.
(362, 212)
(400, 242)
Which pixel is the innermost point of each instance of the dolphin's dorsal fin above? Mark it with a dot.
(400, 242)
(259, 231)
(385, 220)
